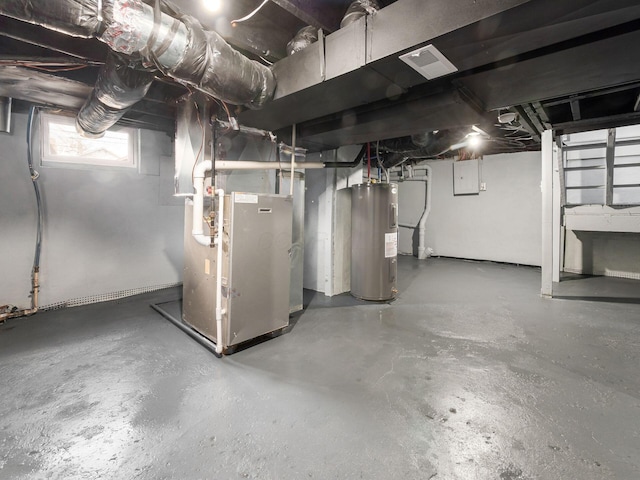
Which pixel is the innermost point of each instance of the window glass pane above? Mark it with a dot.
(63, 144)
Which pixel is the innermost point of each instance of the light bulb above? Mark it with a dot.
(474, 141)
(212, 5)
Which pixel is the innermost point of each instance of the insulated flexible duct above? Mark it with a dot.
(358, 9)
(305, 37)
(118, 87)
(178, 47)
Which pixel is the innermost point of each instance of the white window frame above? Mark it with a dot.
(48, 159)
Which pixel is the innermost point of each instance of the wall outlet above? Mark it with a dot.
(483, 187)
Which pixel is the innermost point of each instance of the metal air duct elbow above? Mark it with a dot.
(118, 88)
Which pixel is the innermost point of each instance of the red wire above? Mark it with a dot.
(368, 160)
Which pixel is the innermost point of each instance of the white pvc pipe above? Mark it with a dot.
(422, 249)
(255, 165)
(218, 242)
(198, 203)
(293, 156)
(198, 185)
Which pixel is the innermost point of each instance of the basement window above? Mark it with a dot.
(63, 145)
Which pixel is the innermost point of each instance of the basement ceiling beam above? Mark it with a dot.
(575, 109)
(312, 13)
(53, 41)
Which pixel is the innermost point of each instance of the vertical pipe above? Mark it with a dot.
(610, 162)
(368, 161)
(293, 156)
(422, 248)
(557, 216)
(218, 240)
(198, 203)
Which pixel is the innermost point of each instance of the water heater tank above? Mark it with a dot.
(374, 241)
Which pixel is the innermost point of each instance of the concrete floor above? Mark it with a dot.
(469, 374)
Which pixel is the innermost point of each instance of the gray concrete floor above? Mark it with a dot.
(469, 374)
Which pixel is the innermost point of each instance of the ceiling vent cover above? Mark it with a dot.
(429, 62)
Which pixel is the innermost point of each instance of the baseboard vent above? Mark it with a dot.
(106, 297)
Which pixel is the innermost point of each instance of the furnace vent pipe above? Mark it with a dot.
(117, 89)
(179, 47)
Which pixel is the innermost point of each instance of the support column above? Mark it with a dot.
(557, 212)
(547, 213)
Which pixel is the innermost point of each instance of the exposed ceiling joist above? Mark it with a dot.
(312, 13)
(52, 40)
(575, 109)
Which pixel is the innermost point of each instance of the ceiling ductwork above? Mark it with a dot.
(305, 37)
(117, 89)
(359, 9)
(176, 45)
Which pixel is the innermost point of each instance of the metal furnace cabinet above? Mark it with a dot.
(255, 270)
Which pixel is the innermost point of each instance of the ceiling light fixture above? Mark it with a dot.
(474, 141)
(507, 117)
(212, 5)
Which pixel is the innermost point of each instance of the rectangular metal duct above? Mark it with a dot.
(332, 76)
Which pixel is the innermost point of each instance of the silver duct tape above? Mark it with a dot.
(118, 88)
(129, 27)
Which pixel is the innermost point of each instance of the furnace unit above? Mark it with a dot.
(256, 246)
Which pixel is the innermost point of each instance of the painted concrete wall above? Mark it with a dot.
(106, 230)
(501, 224)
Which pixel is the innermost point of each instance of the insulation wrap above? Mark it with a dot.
(358, 9)
(78, 18)
(177, 46)
(118, 88)
(305, 37)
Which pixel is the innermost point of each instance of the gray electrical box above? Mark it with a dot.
(255, 270)
(466, 177)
